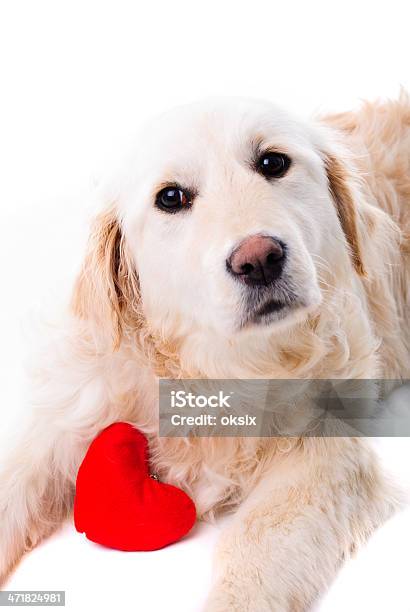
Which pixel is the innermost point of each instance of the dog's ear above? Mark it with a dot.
(346, 197)
(106, 292)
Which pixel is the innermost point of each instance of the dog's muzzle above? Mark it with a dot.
(257, 261)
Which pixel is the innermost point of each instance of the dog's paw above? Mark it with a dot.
(230, 597)
(7, 562)
(11, 545)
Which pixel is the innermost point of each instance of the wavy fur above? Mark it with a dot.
(295, 498)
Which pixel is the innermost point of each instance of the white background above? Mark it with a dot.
(77, 79)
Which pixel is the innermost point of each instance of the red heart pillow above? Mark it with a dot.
(118, 504)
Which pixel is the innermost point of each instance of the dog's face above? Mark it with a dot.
(230, 220)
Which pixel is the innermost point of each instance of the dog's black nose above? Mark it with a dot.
(257, 260)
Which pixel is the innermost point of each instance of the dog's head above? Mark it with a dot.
(230, 218)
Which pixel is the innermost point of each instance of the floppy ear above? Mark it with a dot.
(346, 197)
(106, 292)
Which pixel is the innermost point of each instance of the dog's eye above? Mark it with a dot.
(273, 165)
(172, 199)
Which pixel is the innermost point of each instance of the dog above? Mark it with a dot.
(239, 243)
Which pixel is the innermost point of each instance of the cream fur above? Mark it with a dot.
(153, 299)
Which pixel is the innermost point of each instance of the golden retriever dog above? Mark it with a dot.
(239, 243)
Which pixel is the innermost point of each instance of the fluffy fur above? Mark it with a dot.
(154, 300)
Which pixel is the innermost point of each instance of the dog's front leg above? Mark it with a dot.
(73, 402)
(289, 538)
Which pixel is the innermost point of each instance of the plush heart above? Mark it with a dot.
(118, 504)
